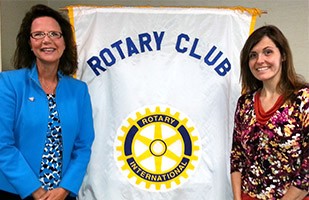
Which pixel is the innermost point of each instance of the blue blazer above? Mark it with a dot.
(23, 126)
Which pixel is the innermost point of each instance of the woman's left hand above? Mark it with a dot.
(294, 194)
(55, 194)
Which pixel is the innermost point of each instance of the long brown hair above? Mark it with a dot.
(290, 82)
(24, 57)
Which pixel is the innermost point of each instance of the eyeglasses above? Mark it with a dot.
(41, 35)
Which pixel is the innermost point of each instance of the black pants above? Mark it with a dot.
(10, 196)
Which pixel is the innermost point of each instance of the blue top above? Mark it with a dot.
(23, 121)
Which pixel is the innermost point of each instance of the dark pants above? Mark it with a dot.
(10, 196)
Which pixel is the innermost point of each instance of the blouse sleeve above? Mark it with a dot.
(301, 179)
(237, 152)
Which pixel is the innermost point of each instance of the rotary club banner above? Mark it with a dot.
(164, 84)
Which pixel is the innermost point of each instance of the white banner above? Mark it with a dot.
(164, 84)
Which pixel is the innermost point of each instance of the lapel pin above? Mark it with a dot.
(31, 98)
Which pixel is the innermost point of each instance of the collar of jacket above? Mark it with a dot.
(35, 75)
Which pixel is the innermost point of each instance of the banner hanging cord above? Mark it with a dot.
(253, 11)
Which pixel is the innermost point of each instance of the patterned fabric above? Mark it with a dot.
(274, 156)
(50, 172)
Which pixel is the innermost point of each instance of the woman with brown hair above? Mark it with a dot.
(270, 158)
(46, 125)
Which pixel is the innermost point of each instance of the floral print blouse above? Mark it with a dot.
(273, 156)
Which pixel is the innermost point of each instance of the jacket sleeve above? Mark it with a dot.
(13, 165)
(80, 156)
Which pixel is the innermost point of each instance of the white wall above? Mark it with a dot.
(291, 16)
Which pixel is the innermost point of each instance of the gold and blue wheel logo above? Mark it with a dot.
(157, 148)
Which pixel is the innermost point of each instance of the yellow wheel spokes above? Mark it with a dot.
(158, 131)
(158, 148)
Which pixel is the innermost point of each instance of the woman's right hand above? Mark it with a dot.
(38, 193)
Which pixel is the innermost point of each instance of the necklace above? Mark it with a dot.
(49, 88)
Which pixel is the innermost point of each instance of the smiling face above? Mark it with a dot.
(47, 50)
(265, 61)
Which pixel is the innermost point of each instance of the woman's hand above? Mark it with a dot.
(55, 194)
(38, 193)
(294, 194)
(236, 185)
